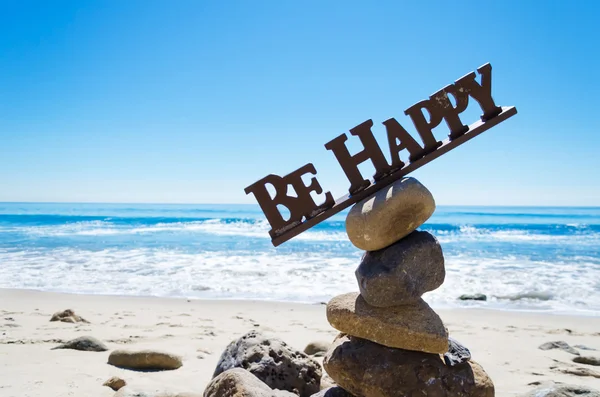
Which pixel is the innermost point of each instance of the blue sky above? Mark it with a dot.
(192, 101)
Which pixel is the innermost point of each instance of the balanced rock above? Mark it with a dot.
(83, 343)
(272, 361)
(144, 360)
(238, 382)
(413, 326)
(335, 391)
(562, 390)
(363, 368)
(402, 272)
(389, 215)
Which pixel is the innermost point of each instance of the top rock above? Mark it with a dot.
(389, 215)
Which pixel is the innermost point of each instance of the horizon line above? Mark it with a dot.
(256, 204)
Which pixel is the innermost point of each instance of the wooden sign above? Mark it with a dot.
(295, 195)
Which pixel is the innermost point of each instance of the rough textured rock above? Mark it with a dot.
(412, 327)
(474, 297)
(272, 361)
(562, 390)
(457, 353)
(316, 348)
(402, 272)
(129, 392)
(84, 343)
(115, 383)
(335, 391)
(389, 215)
(559, 345)
(144, 360)
(238, 382)
(587, 360)
(363, 368)
(68, 316)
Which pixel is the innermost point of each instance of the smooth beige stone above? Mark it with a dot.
(144, 360)
(411, 327)
(238, 382)
(389, 215)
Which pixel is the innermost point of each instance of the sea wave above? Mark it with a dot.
(327, 231)
(222, 227)
(519, 262)
(510, 282)
(298, 277)
(525, 233)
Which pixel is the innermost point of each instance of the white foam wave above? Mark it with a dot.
(260, 228)
(511, 282)
(253, 229)
(471, 233)
(519, 282)
(294, 277)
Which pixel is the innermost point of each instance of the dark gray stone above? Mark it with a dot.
(561, 345)
(365, 368)
(457, 353)
(402, 272)
(474, 297)
(335, 391)
(272, 361)
(83, 343)
(562, 390)
(587, 360)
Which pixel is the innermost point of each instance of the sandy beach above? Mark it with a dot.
(504, 343)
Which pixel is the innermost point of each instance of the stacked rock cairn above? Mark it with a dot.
(391, 343)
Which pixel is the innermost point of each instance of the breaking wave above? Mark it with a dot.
(532, 259)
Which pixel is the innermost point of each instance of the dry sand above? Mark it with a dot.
(505, 343)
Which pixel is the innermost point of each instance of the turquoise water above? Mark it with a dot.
(522, 258)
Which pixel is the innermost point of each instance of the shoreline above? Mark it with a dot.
(469, 305)
(505, 343)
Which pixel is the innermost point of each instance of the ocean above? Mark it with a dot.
(522, 258)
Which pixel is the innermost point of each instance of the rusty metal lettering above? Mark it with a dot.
(304, 213)
(449, 112)
(349, 163)
(396, 133)
(482, 93)
(301, 206)
(424, 127)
